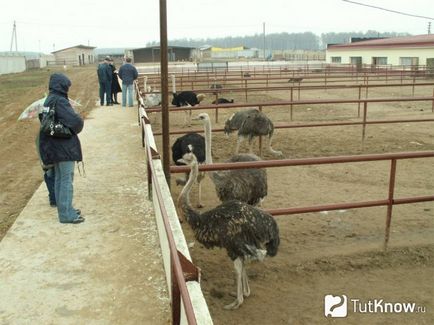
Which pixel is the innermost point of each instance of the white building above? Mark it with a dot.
(406, 51)
(75, 55)
(12, 62)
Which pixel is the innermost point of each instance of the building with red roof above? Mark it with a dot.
(406, 51)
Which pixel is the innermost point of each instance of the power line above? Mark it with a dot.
(389, 10)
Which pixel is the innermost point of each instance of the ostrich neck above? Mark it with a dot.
(193, 218)
(208, 142)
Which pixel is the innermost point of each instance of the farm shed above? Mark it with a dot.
(152, 54)
(75, 55)
(117, 54)
(12, 62)
(229, 53)
(406, 51)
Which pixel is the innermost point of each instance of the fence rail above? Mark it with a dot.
(179, 268)
(390, 201)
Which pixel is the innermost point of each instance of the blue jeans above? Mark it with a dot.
(130, 90)
(105, 88)
(64, 176)
(49, 178)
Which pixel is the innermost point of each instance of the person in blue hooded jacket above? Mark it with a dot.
(60, 152)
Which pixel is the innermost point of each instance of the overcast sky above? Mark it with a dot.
(47, 24)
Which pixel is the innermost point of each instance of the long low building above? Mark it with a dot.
(405, 51)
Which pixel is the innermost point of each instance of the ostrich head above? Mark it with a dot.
(228, 126)
(200, 97)
(202, 117)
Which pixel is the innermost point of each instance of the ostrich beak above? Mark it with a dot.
(182, 161)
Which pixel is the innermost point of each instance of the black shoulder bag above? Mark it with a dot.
(53, 128)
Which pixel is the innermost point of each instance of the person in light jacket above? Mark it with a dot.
(60, 152)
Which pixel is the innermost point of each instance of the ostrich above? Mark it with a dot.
(246, 185)
(187, 98)
(293, 80)
(190, 142)
(251, 123)
(223, 101)
(247, 233)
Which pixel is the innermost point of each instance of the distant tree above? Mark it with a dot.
(280, 41)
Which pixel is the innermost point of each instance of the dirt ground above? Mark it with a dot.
(335, 252)
(20, 173)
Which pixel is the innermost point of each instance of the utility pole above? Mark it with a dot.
(429, 27)
(263, 34)
(14, 37)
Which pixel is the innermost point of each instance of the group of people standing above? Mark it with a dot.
(109, 85)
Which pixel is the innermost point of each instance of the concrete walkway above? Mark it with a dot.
(107, 270)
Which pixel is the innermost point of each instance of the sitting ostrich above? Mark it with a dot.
(247, 233)
(187, 98)
(182, 146)
(251, 123)
(223, 101)
(246, 185)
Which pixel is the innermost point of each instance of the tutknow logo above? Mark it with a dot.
(337, 306)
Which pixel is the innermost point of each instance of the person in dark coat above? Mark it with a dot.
(60, 152)
(116, 88)
(105, 82)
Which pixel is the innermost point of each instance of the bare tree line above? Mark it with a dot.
(281, 41)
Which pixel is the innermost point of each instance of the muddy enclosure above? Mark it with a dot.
(336, 252)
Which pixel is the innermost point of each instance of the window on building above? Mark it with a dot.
(357, 61)
(379, 60)
(336, 59)
(409, 61)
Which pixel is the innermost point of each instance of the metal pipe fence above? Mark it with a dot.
(390, 201)
(181, 268)
(364, 122)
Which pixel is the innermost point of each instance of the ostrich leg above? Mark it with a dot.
(274, 152)
(246, 287)
(239, 140)
(238, 264)
(250, 146)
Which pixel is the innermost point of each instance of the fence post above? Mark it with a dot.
(360, 97)
(176, 296)
(260, 138)
(292, 98)
(245, 85)
(390, 202)
(432, 108)
(365, 113)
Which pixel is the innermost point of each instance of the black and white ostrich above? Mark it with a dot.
(246, 185)
(223, 101)
(187, 98)
(251, 123)
(190, 142)
(247, 233)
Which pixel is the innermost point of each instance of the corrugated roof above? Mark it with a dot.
(77, 46)
(395, 42)
(169, 46)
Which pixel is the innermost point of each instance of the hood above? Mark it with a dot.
(59, 84)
